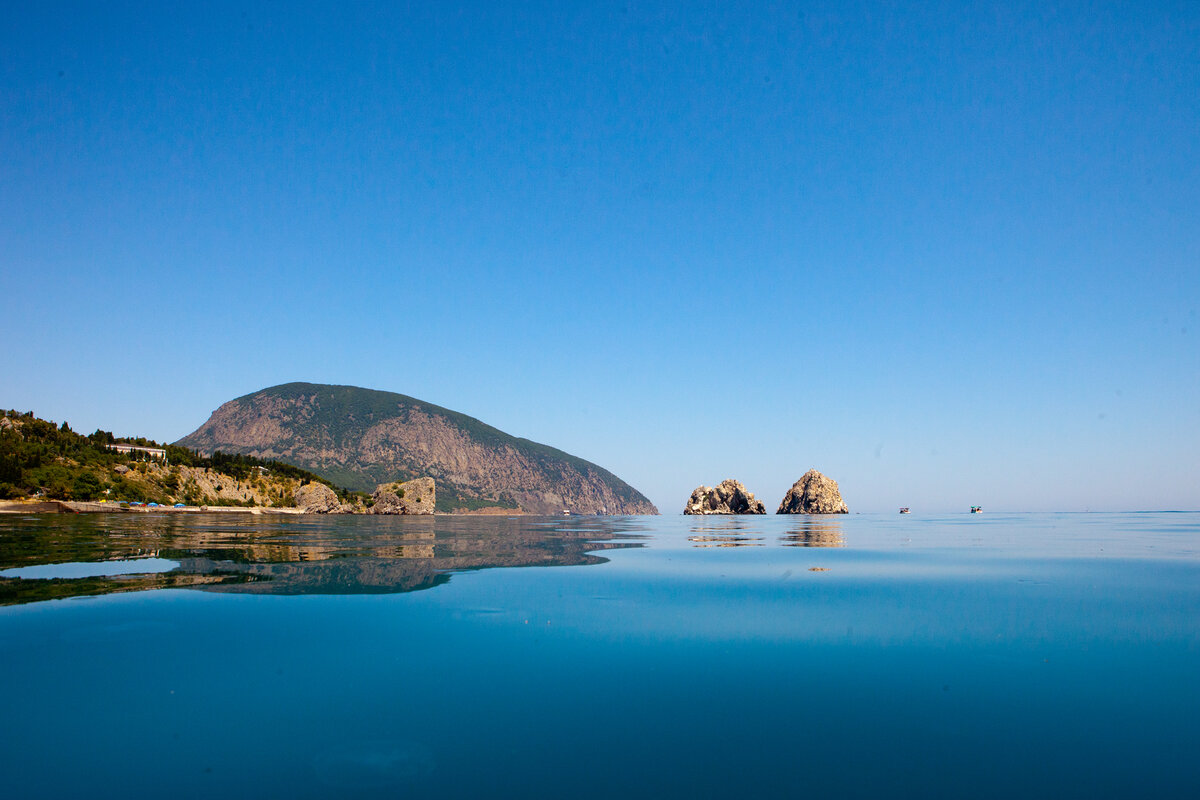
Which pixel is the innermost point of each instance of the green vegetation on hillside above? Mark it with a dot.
(450, 500)
(37, 456)
(40, 458)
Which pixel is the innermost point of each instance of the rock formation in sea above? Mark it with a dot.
(728, 497)
(813, 494)
(417, 496)
(360, 438)
(317, 498)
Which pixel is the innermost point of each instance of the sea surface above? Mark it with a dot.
(990, 655)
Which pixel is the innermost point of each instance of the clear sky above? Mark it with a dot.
(948, 254)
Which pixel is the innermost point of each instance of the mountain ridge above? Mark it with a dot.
(359, 437)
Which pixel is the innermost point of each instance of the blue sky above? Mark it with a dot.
(949, 255)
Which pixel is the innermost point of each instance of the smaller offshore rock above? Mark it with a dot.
(417, 496)
(728, 497)
(317, 498)
(813, 494)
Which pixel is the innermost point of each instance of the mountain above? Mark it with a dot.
(359, 438)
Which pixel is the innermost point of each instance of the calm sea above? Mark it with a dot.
(1048, 655)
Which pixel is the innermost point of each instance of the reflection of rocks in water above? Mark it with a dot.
(726, 541)
(335, 576)
(825, 532)
(418, 563)
(297, 555)
(14, 591)
(724, 531)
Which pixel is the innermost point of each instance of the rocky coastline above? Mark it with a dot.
(402, 498)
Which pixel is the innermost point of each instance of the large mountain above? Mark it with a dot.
(362, 437)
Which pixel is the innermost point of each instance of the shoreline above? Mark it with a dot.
(95, 507)
(92, 507)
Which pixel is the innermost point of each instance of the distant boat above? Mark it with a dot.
(904, 510)
(976, 509)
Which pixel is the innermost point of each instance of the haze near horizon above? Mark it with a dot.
(949, 256)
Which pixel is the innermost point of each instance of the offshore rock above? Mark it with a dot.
(317, 498)
(417, 496)
(728, 497)
(813, 494)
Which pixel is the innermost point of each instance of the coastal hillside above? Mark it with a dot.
(43, 460)
(359, 438)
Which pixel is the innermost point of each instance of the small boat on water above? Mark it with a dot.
(976, 509)
(904, 510)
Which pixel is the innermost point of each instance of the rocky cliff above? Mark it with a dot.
(360, 438)
(317, 498)
(727, 497)
(813, 494)
(415, 497)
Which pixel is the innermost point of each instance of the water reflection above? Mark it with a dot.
(317, 555)
(724, 531)
(815, 532)
(726, 541)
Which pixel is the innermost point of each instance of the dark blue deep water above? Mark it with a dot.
(1049, 655)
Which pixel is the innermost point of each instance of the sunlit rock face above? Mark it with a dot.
(412, 497)
(359, 438)
(813, 494)
(728, 497)
(317, 498)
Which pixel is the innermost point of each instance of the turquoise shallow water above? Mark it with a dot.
(987, 655)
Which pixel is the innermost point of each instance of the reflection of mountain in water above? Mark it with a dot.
(815, 532)
(305, 555)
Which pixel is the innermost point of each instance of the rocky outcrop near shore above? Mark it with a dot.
(728, 497)
(317, 498)
(360, 438)
(813, 494)
(417, 496)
